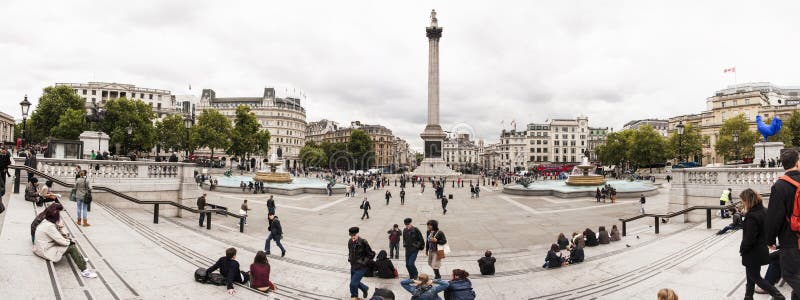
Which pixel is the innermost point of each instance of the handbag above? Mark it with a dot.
(440, 254)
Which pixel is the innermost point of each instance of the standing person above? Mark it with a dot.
(723, 201)
(783, 220)
(366, 207)
(444, 205)
(229, 268)
(201, 205)
(402, 196)
(413, 242)
(5, 161)
(436, 238)
(30, 161)
(93, 156)
(275, 233)
(359, 253)
(244, 210)
(271, 205)
(394, 241)
(82, 190)
(388, 196)
(597, 195)
(642, 201)
(753, 248)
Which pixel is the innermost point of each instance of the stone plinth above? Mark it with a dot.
(773, 150)
(94, 140)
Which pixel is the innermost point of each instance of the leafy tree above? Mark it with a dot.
(419, 157)
(790, 132)
(171, 132)
(122, 113)
(360, 146)
(688, 145)
(70, 125)
(647, 147)
(54, 102)
(262, 142)
(313, 156)
(213, 130)
(726, 147)
(614, 151)
(243, 136)
(337, 155)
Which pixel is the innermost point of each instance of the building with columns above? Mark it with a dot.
(661, 126)
(285, 118)
(7, 124)
(382, 141)
(597, 137)
(161, 101)
(316, 131)
(402, 155)
(557, 141)
(513, 150)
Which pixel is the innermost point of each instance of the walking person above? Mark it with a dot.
(201, 205)
(723, 201)
(394, 241)
(366, 207)
(402, 196)
(435, 243)
(753, 248)
(359, 253)
(413, 242)
(5, 161)
(83, 198)
(597, 195)
(388, 196)
(783, 220)
(271, 206)
(444, 205)
(275, 233)
(642, 201)
(243, 210)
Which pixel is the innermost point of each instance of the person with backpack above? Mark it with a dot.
(783, 219)
(366, 207)
(359, 253)
(460, 287)
(412, 243)
(754, 245)
(384, 267)
(229, 268)
(83, 196)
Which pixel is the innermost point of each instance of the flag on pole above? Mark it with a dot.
(190, 86)
(733, 69)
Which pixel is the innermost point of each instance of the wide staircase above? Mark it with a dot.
(138, 259)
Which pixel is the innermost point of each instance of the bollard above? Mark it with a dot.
(657, 225)
(208, 220)
(624, 228)
(708, 218)
(155, 213)
(241, 224)
(16, 180)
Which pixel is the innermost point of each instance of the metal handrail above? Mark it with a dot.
(155, 203)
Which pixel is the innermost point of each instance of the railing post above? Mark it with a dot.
(208, 220)
(657, 225)
(708, 218)
(16, 180)
(624, 228)
(241, 225)
(155, 213)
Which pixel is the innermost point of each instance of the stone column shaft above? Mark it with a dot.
(433, 81)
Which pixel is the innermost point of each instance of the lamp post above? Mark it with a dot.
(187, 122)
(680, 141)
(736, 143)
(128, 144)
(25, 105)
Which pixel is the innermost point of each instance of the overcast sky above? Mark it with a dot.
(528, 61)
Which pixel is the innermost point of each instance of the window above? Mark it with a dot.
(84, 92)
(723, 103)
(555, 150)
(150, 96)
(555, 143)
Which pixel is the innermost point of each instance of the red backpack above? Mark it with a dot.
(794, 219)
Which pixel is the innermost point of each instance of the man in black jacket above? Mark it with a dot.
(229, 268)
(359, 253)
(781, 206)
(486, 263)
(201, 205)
(271, 205)
(413, 242)
(275, 233)
(402, 196)
(5, 161)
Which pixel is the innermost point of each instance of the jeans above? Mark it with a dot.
(277, 242)
(790, 270)
(722, 212)
(355, 282)
(754, 277)
(82, 206)
(394, 248)
(411, 258)
(726, 228)
(202, 217)
(271, 210)
(76, 256)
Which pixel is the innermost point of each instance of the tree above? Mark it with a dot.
(213, 130)
(419, 157)
(262, 142)
(360, 146)
(790, 132)
(122, 113)
(687, 145)
(647, 147)
(726, 147)
(171, 133)
(313, 156)
(54, 102)
(243, 136)
(337, 155)
(70, 125)
(614, 151)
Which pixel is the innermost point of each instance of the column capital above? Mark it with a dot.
(434, 33)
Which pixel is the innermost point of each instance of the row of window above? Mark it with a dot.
(114, 94)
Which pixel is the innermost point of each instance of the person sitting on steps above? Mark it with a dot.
(229, 268)
(486, 263)
(259, 273)
(51, 243)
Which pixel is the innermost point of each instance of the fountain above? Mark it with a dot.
(276, 173)
(585, 179)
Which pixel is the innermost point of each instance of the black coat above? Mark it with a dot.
(412, 239)
(383, 266)
(275, 228)
(440, 240)
(553, 260)
(359, 253)
(228, 268)
(486, 264)
(591, 238)
(754, 242)
(781, 207)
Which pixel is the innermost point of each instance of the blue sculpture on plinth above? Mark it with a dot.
(769, 130)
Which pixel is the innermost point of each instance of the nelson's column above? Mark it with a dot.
(433, 136)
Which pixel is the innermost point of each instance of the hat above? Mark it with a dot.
(353, 230)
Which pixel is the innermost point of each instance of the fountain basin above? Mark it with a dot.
(586, 180)
(298, 185)
(273, 177)
(559, 188)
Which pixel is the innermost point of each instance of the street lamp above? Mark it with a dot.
(25, 105)
(680, 141)
(736, 143)
(130, 130)
(187, 122)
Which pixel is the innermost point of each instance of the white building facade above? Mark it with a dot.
(161, 101)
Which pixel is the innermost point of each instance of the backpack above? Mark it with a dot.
(201, 276)
(794, 219)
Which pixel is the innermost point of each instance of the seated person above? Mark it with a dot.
(486, 263)
(32, 190)
(423, 287)
(576, 253)
(45, 195)
(603, 237)
(562, 241)
(553, 259)
(40, 218)
(591, 238)
(615, 236)
(51, 243)
(736, 221)
(229, 268)
(259, 273)
(384, 267)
